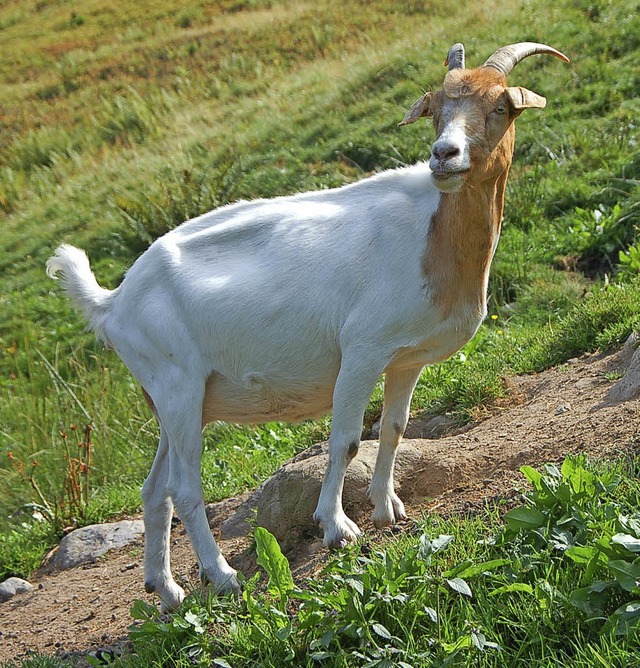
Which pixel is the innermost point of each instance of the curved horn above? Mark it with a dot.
(455, 57)
(506, 58)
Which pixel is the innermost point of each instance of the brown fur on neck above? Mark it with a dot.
(464, 232)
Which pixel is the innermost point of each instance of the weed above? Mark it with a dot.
(128, 119)
(76, 20)
(39, 149)
(69, 506)
(560, 569)
(572, 515)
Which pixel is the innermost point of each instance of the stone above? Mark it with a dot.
(285, 503)
(628, 387)
(87, 544)
(9, 588)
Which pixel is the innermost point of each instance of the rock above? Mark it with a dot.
(628, 387)
(430, 427)
(85, 545)
(285, 503)
(9, 588)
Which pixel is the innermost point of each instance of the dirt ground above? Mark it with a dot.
(563, 410)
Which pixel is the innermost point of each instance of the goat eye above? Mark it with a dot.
(501, 109)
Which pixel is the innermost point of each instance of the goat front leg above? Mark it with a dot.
(158, 510)
(398, 389)
(350, 397)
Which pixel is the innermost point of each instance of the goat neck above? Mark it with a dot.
(462, 238)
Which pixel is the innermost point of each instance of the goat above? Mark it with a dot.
(287, 308)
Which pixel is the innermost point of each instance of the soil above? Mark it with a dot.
(567, 409)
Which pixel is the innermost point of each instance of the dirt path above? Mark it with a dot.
(559, 411)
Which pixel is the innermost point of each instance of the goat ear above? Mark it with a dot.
(419, 109)
(521, 98)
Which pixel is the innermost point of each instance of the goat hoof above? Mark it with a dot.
(171, 598)
(340, 532)
(223, 582)
(389, 512)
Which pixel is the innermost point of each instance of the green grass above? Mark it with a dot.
(550, 582)
(116, 126)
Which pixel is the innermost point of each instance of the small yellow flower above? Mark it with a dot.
(494, 317)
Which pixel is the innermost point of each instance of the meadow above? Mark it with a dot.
(121, 121)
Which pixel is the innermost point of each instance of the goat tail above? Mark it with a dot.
(79, 282)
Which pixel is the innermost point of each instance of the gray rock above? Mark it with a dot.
(9, 588)
(85, 545)
(285, 503)
(628, 387)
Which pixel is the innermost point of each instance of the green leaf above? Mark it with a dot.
(432, 614)
(516, 586)
(320, 656)
(459, 585)
(143, 610)
(477, 569)
(546, 593)
(270, 557)
(627, 541)
(284, 632)
(631, 524)
(458, 568)
(222, 663)
(561, 539)
(524, 519)
(381, 630)
(581, 554)
(425, 548)
(625, 620)
(460, 643)
(441, 542)
(355, 583)
(195, 620)
(533, 476)
(590, 602)
(627, 575)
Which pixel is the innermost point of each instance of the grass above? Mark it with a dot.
(117, 126)
(551, 582)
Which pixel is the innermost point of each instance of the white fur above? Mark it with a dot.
(278, 309)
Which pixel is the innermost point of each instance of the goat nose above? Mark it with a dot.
(445, 150)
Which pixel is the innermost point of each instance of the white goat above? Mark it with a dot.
(284, 309)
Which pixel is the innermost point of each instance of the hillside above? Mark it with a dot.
(561, 411)
(119, 121)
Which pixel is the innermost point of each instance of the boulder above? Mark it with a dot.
(9, 588)
(628, 387)
(87, 544)
(285, 503)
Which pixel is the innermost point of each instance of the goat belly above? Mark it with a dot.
(258, 400)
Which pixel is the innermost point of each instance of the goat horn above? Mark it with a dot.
(506, 58)
(455, 57)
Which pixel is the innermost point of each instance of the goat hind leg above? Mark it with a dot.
(182, 417)
(398, 389)
(158, 510)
